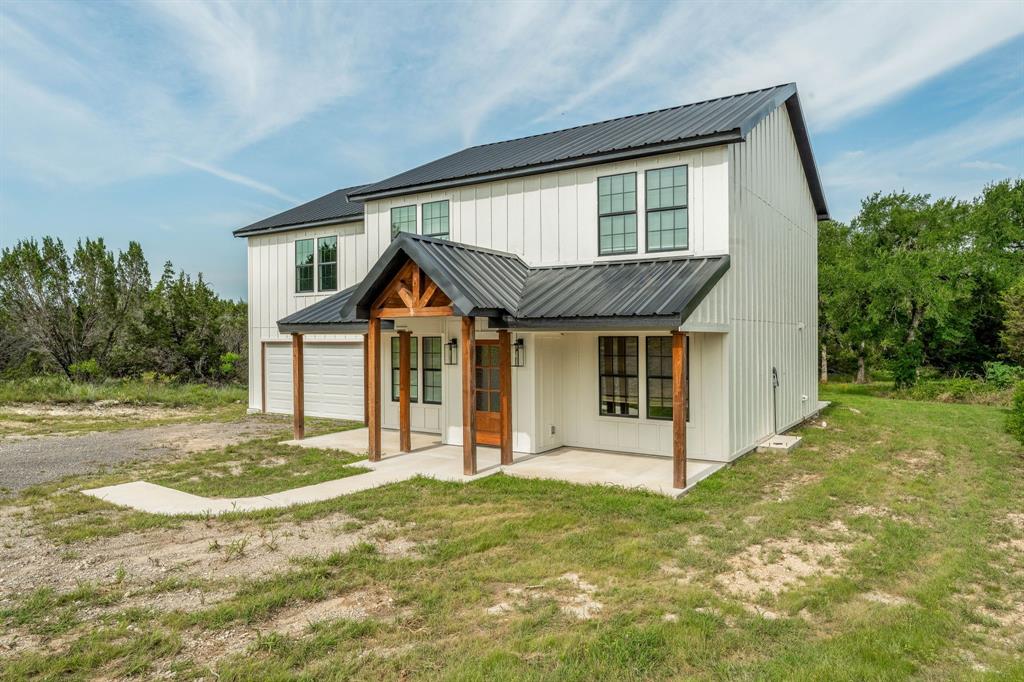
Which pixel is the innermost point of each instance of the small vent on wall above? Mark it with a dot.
(552, 429)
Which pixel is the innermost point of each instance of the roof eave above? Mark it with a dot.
(241, 232)
(358, 327)
(803, 144)
(714, 140)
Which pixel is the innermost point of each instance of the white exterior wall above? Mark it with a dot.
(272, 287)
(551, 218)
(771, 287)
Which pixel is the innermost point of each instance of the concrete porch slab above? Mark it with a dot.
(357, 440)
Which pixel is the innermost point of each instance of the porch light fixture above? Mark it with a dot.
(451, 352)
(519, 353)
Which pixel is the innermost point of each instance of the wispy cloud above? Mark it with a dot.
(236, 178)
(942, 164)
(93, 98)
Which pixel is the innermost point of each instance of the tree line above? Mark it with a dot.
(913, 282)
(89, 314)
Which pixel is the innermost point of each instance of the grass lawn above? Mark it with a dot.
(52, 404)
(889, 546)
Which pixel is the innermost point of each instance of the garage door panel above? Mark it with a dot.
(333, 379)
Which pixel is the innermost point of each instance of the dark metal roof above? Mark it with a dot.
(716, 121)
(324, 316)
(328, 209)
(664, 287)
(478, 281)
(658, 292)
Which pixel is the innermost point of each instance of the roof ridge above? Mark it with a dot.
(460, 245)
(626, 117)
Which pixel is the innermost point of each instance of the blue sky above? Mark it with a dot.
(173, 123)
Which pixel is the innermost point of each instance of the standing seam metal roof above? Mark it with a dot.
(335, 206)
(500, 285)
(715, 121)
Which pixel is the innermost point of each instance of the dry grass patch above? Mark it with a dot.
(776, 565)
(204, 550)
(789, 487)
(573, 594)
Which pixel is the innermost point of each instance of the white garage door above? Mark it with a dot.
(333, 379)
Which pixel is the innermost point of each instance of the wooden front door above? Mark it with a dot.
(488, 393)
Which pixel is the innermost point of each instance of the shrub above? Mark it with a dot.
(1015, 422)
(1003, 375)
(85, 371)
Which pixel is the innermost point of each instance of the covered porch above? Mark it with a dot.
(483, 304)
(431, 458)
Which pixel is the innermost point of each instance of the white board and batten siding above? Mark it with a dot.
(272, 296)
(551, 218)
(771, 288)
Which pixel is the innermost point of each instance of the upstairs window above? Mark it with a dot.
(435, 219)
(616, 210)
(659, 377)
(328, 247)
(396, 369)
(403, 219)
(667, 221)
(303, 265)
(619, 375)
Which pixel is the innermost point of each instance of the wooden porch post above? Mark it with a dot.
(373, 382)
(404, 390)
(678, 409)
(505, 374)
(298, 390)
(366, 378)
(468, 396)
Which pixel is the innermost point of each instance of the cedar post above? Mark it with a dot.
(505, 374)
(298, 390)
(366, 378)
(678, 409)
(404, 390)
(373, 382)
(468, 396)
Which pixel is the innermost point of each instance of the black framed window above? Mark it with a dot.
(396, 369)
(435, 219)
(303, 265)
(667, 217)
(616, 211)
(619, 375)
(328, 268)
(403, 219)
(432, 370)
(659, 377)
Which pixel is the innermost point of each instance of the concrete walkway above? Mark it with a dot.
(441, 462)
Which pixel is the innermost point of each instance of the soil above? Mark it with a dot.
(776, 565)
(576, 601)
(205, 550)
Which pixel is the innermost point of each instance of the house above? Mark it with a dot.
(646, 284)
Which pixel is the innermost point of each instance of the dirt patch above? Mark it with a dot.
(103, 409)
(788, 488)
(210, 550)
(357, 605)
(573, 594)
(777, 565)
(919, 461)
(885, 598)
(1016, 520)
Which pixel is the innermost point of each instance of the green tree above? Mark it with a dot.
(1012, 334)
(180, 332)
(71, 308)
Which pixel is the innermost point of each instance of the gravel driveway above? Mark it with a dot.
(31, 461)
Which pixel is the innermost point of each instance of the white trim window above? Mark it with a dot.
(668, 226)
(304, 266)
(435, 219)
(403, 219)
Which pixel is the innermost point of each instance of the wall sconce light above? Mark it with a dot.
(451, 352)
(519, 353)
